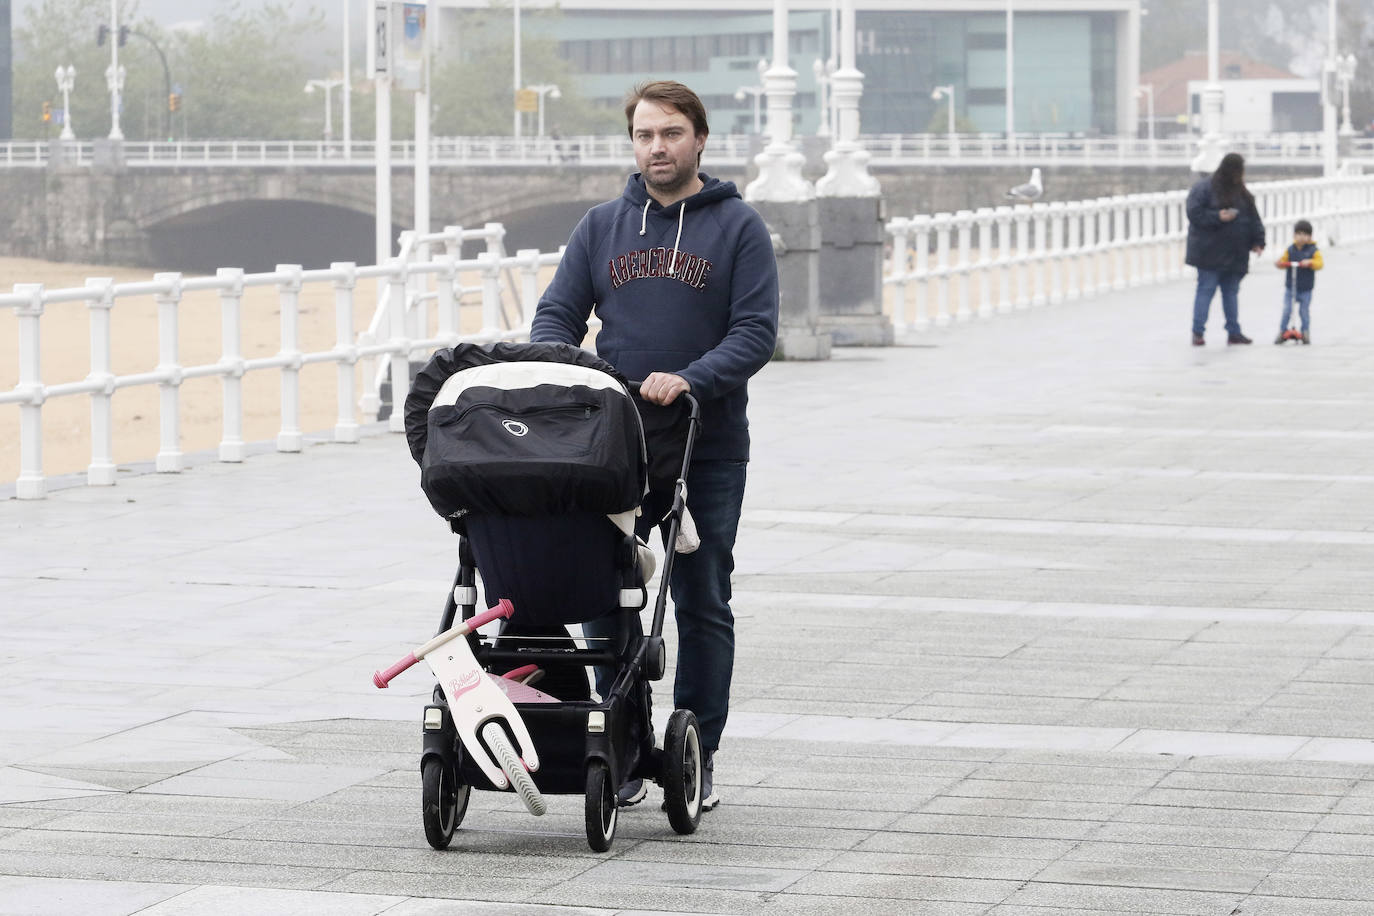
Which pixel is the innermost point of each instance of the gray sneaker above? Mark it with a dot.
(709, 798)
(632, 793)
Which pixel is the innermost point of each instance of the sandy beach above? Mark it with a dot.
(134, 348)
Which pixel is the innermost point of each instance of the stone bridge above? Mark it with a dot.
(198, 218)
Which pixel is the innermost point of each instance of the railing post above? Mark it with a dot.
(1005, 298)
(289, 439)
(30, 484)
(491, 292)
(1039, 212)
(1055, 263)
(231, 446)
(921, 228)
(1023, 254)
(400, 356)
(346, 427)
(942, 226)
(964, 221)
(1135, 213)
(986, 261)
(1088, 257)
(900, 227)
(529, 283)
(1118, 208)
(101, 471)
(169, 457)
(447, 300)
(1073, 257)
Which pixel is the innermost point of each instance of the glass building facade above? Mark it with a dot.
(1067, 62)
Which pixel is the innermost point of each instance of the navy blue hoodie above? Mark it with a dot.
(690, 289)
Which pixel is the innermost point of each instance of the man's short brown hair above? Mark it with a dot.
(667, 92)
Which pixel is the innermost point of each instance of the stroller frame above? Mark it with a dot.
(615, 735)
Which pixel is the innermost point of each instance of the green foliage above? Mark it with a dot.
(62, 32)
(473, 88)
(242, 75)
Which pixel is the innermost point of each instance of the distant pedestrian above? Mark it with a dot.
(1224, 226)
(1302, 260)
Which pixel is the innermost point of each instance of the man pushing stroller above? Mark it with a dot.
(682, 275)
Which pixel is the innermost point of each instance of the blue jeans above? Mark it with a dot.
(700, 588)
(1207, 283)
(1304, 304)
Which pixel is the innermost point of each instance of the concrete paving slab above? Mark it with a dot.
(1080, 627)
(33, 896)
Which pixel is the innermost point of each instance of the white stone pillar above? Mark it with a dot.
(847, 174)
(1213, 144)
(780, 164)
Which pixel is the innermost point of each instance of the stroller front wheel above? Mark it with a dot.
(681, 776)
(602, 810)
(443, 801)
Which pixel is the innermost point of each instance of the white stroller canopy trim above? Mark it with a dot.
(514, 375)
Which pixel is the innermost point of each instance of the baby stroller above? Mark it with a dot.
(536, 456)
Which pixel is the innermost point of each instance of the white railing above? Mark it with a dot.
(887, 150)
(1050, 149)
(411, 309)
(954, 267)
(731, 149)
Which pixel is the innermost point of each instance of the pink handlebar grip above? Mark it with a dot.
(503, 608)
(516, 674)
(381, 678)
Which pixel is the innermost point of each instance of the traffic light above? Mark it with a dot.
(47, 112)
(103, 32)
(173, 101)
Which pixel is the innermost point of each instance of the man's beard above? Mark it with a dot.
(679, 177)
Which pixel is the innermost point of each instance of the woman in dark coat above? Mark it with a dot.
(1223, 228)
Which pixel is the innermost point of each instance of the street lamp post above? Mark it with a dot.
(1329, 71)
(328, 86)
(543, 89)
(114, 74)
(347, 84)
(946, 92)
(1011, 72)
(1345, 73)
(1212, 146)
(516, 56)
(822, 70)
(757, 92)
(66, 78)
(745, 92)
(1148, 90)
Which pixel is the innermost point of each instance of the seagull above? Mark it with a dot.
(1029, 191)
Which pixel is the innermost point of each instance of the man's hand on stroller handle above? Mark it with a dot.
(663, 388)
(503, 609)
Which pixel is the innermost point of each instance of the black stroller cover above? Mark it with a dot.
(525, 429)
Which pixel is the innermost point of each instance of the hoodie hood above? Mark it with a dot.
(713, 190)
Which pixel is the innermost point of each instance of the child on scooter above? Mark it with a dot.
(1305, 260)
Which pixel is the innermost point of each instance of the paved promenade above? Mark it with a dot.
(1052, 614)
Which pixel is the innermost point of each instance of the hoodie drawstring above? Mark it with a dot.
(681, 212)
(644, 224)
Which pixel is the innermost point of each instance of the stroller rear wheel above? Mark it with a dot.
(682, 771)
(602, 811)
(443, 801)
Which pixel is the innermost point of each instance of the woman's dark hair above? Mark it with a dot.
(1228, 182)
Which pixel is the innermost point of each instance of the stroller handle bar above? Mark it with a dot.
(503, 609)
